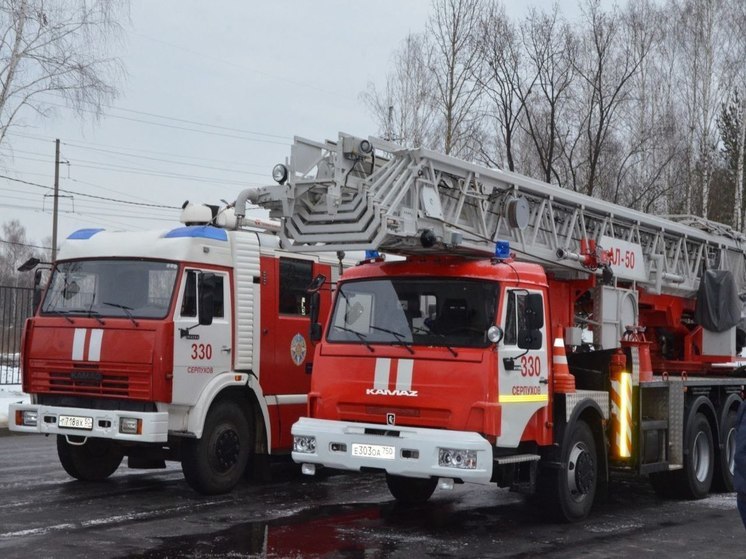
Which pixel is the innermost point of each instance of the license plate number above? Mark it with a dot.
(373, 451)
(75, 422)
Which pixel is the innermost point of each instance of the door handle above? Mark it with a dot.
(226, 349)
(544, 381)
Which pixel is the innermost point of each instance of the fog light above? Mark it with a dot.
(130, 426)
(445, 483)
(457, 458)
(29, 418)
(304, 444)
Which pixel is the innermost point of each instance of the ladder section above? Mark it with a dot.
(369, 194)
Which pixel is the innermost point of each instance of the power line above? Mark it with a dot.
(24, 244)
(90, 195)
(183, 120)
(99, 166)
(173, 126)
(83, 145)
(161, 160)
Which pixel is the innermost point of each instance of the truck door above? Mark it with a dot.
(523, 372)
(285, 344)
(200, 351)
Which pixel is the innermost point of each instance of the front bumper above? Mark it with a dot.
(407, 441)
(105, 423)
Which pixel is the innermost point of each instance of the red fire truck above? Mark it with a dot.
(533, 337)
(186, 344)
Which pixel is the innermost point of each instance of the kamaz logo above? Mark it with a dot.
(382, 376)
(387, 392)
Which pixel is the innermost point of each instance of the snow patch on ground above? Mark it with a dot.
(10, 394)
(722, 501)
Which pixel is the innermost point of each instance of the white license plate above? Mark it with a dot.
(373, 451)
(75, 422)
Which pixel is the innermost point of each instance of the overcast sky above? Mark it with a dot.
(215, 92)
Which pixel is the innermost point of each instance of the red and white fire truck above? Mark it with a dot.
(532, 337)
(186, 344)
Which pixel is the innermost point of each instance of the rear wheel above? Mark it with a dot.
(409, 490)
(695, 479)
(93, 460)
(215, 463)
(726, 458)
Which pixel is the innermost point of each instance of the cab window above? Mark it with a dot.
(295, 277)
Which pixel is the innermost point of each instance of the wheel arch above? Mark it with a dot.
(244, 389)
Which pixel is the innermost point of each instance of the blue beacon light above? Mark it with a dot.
(502, 250)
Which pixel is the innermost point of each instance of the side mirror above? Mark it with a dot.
(530, 339)
(206, 303)
(534, 311)
(314, 302)
(37, 290)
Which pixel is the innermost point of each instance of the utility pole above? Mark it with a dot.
(56, 197)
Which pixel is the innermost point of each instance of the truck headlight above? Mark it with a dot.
(130, 426)
(457, 458)
(29, 418)
(304, 444)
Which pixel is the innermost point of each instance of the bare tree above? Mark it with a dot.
(500, 76)
(59, 48)
(452, 27)
(15, 249)
(405, 109)
(733, 130)
(608, 65)
(550, 51)
(703, 42)
(646, 127)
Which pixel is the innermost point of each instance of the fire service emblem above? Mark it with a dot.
(298, 349)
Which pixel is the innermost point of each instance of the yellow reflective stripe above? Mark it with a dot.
(512, 398)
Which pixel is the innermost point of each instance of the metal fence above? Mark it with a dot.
(16, 304)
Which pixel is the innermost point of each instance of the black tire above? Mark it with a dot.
(215, 463)
(95, 460)
(568, 492)
(410, 490)
(726, 456)
(695, 480)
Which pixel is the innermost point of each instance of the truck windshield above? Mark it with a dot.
(416, 311)
(111, 288)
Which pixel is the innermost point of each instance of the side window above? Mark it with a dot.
(189, 300)
(218, 298)
(295, 277)
(515, 316)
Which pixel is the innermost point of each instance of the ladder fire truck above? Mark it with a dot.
(186, 344)
(532, 337)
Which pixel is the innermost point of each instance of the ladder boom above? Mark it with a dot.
(370, 194)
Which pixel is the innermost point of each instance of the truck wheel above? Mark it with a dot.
(215, 463)
(723, 480)
(410, 490)
(94, 460)
(694, 481)
(567, 493)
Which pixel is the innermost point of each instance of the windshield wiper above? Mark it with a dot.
(63, 314)
(125, 308)
(90, 313)
(360, 336)
(399, 338)
(421, 330)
